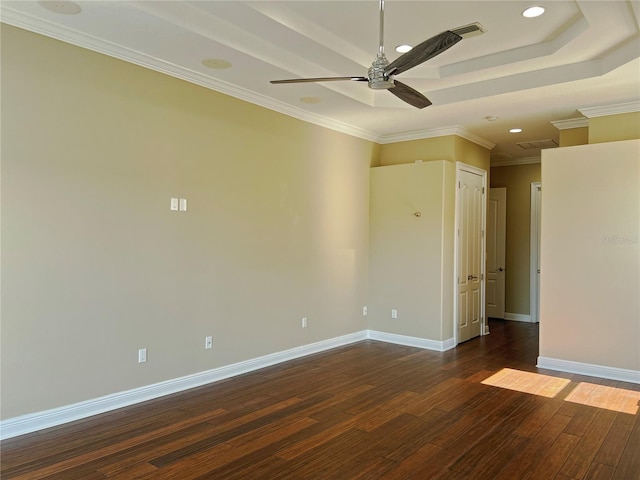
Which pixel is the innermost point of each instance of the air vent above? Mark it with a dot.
(536, 144)
(471, 30)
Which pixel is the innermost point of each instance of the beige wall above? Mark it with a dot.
(574, 136)
(473, 154)
(450, 147)
(94, 264)
(614, 128)
(517, 179)
(439, 148)
(590, 254)
(411, 257)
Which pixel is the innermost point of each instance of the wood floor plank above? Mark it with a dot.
(64, 463)
(497, 458)
(616, 440)
(475, 420)
(629, 464)
(599, 471)
(138, 470)
(289, 407)
(581, 421)
(553, 458)
(385, 411)
(579, 461)
(499, 437)
(414, 462)
(369, 410)
(531, 427)
(533, 451)
(317, 440)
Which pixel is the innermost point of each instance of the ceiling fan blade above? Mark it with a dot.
(423, 52)
(321, 79)
(409, 95)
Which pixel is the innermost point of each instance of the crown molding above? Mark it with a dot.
(629, 107)
(570, 123)
(89, 42)
(437, 132)
(515, 161)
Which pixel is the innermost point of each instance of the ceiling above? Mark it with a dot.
(580, 56)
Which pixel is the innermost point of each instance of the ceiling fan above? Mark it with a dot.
(381, 73)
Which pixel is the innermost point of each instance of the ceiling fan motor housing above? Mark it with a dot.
(378, 80)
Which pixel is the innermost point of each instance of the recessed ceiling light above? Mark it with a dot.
(403, 48)
(216, 63)
(533, 12)
(62, 7)
(515, 130)
(310, 100)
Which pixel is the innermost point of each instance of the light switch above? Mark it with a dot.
(183, 204)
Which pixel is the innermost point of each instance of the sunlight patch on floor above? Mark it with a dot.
(527, 382)
(610, 398)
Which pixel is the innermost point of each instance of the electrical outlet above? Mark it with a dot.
(304, 322)
(174, 204)
(208, 342)
(394, 313)
(364, 311)
(142, 355)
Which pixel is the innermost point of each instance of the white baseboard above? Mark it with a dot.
(601, 371)
(518, 317)
(32, 422)
(425, 343)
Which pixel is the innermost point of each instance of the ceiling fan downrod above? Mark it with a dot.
(378, 79)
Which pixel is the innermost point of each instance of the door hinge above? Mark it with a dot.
(483, 190)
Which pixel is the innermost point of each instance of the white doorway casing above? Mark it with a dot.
(534, 252)
(469, 263)
(496, 252)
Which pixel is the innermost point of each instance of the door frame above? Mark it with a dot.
(484, 327)
(534, 261)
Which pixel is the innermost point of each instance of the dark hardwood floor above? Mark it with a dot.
(364, 411)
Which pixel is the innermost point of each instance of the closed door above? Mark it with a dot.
(470, 254)
(496, 241)
(536, 196)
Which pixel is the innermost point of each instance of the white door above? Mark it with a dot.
(534, 264)
(496, 241)
(470, 254)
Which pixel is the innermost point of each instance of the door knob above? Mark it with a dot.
(501, 269)
(471, 277)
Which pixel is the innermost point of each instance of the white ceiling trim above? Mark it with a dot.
(437, 132)
(89, 42)
(570, 123)
(629, 107)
